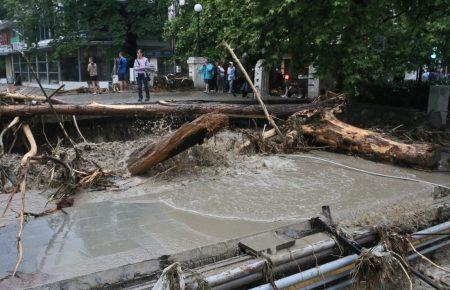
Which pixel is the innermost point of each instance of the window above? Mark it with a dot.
(2, 67)
(69, 67)
(20, 67)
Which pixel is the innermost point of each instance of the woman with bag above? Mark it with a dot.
(141, 68)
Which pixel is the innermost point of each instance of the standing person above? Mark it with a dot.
(206, 70)
(214, 77)
(231, 77)
(122, 71)
(17, 80)
(220, 78)
(141, 67)
(246, 65)
(93, 76)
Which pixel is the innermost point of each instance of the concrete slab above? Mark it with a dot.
(269, 242)
(97, 237)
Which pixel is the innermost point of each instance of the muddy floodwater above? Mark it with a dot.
(280, 187)
(210, 194)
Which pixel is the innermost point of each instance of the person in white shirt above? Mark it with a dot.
(141, 67)
(93, 75)
(231, 77)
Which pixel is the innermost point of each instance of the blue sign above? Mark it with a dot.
(158, 53)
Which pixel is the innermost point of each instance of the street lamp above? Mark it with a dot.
(198, 8)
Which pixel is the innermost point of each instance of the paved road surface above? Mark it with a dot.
(131, 97)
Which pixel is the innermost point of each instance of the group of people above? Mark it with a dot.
(218, 76)
(221, 77)
(434, 74)
(142, 68)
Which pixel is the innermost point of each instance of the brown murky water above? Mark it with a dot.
(203, 196)
(212, 181)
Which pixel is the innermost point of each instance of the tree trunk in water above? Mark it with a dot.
(186, 136)
(157, 110)
(325, 129)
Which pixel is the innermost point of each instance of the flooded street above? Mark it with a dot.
(211, 196)
(216, 182)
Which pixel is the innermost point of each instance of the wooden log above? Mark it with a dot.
(20, 96)
(255, 91)
(157, 110)
(326, 129)
(186, 136)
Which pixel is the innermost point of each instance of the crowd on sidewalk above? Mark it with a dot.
(142, 69)
(222, 77)
(219, 77)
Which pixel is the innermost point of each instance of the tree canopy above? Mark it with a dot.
(351, 40)
(75, 22)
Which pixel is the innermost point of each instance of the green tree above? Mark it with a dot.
(77, 22)
(349, 40)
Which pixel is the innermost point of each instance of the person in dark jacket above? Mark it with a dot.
(240, 75)
(214, 77)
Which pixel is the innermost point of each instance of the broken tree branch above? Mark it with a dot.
(78, 128)
(12, 124)
(266, 135)
(255, 91)
(21, 96)
(23, 188)
(33, 146)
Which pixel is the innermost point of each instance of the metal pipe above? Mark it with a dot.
(339, 276)
(310, 273)
(331, 266)
(410, 257)
(259, 264)
(436, 229)
(342, 285)
(248, 273)
(327, 280)
(429, 250)
(282, 268)
(234, 273)
(280, 262)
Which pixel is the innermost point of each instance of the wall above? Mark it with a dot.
(9, 72)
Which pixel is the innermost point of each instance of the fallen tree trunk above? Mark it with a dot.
(157, 110)
(174, 143)
(324, 128)
(20, 96)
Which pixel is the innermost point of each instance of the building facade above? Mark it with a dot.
(71, 69)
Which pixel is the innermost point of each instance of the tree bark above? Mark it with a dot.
(19, 96)
(157, 110)
(186, 136)
(325, 129)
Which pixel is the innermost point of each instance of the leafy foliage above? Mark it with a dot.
(75, 22)
(350, 40)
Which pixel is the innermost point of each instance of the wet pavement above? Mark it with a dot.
(131, 97)
(109, 229)
(100, 236)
